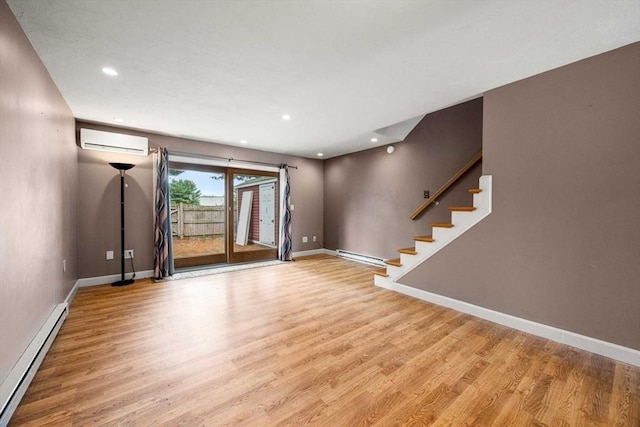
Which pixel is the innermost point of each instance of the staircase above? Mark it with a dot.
(462, 219)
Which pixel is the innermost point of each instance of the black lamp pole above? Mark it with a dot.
(122, 167)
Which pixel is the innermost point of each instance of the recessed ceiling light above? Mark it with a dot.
(118, 120)
(286, 117)
(243, 141)
(374, 139)
(109, 71)
(320, 154)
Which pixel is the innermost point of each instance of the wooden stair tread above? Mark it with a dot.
(462, 208)
(475, 190)
(381, 272)
(395, 262)
(409, 251)
(441, 224)
(428, 239)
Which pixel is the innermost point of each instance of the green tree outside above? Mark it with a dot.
(184, 191)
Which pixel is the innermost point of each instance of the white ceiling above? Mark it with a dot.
(224, 71)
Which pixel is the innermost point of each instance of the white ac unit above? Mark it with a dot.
(91, 139)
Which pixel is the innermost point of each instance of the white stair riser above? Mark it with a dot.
(465, 219)
(383, 282)
(462, 221)
(424, 248)
(392, 270)
(478, 200)
(407, 259)
(441, 235)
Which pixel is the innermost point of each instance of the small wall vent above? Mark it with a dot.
(91, 139)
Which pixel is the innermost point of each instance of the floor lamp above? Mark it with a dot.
(122, 167)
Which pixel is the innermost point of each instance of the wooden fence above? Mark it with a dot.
(194, 220)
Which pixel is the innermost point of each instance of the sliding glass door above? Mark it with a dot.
(198, 214)
(254, 216)
(222, 215)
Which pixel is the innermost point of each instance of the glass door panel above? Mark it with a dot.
(254, 217)
(198, 214)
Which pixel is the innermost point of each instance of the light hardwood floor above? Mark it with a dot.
(309, 342)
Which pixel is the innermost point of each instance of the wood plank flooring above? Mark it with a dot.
(309, 342)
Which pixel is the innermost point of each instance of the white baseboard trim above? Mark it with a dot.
(15, 385)
(331, 252)
(104, 280)
(72, 293)
(593, 345)
(313, 252)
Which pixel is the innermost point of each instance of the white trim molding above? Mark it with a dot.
(72, 293)
(593, 345)
(16, 383)
(105, 280)
(313, 252)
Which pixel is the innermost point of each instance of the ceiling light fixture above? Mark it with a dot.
(320, 154)
(374, 139)
(109, 71)
(286, 117)
(118, 120)
(243, 141)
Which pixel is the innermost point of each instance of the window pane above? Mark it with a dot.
(197, 216)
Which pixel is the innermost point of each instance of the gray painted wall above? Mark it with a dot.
(99, 195)
(38, 191)
(562, 246)
(369, 195)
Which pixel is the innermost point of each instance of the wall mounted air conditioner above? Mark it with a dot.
(91, 139)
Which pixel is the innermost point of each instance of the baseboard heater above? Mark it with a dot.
(367, 259)
(16, 383)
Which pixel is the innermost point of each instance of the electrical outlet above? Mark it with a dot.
(128, 253)
(315, 238)
(293, 207)
(109, 254)
(305, 239)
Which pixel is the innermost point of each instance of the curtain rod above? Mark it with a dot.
(228, 159)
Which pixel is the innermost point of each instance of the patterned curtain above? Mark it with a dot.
(284, 251)
(163, 266)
